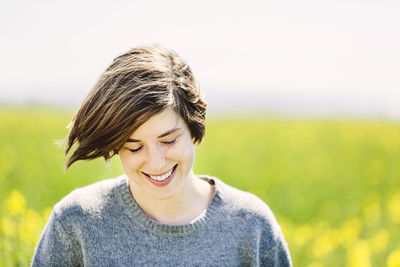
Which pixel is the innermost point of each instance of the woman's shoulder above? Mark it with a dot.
(92, 199)
(243, 204)
(246, 213)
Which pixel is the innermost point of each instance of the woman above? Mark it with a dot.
(147, 109)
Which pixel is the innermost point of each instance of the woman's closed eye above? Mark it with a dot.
(135, 150)
(169, 142)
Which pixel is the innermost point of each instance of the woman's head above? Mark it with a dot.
(136, 86)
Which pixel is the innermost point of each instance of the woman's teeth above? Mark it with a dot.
(162, 177)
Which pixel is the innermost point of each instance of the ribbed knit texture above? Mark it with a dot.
(102, 225)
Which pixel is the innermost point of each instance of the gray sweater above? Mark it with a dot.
(101, 225)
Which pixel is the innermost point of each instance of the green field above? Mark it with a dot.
(334, 185)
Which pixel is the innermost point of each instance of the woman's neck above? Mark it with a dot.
(182, 208)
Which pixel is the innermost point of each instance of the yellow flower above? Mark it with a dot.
(359, 255)
(372, 213)
(7, 245)
(8, 227)
(378, 242)
(15, 203)
(302, 234)
(324, 244)
(30, 227)
(315, 264)
(350, 231)
(394, 259)
(393, 206)
(46, 213)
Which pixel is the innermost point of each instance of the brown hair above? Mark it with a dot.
(137, 85)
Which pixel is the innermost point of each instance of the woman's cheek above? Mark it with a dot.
(181, 151)
(129, 162)
(134, 162)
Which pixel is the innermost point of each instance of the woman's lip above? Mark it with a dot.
(164, 182)
(159, 174)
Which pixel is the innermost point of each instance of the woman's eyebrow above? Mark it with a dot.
(160, 136)
(168, 132)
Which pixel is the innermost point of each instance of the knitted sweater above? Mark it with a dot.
(102, 225)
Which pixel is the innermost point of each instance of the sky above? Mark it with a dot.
(328, 58)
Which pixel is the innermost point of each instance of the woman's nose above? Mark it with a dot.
(155, 161)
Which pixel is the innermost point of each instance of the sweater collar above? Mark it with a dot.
(137, 214)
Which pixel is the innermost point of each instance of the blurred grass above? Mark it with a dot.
(333, 185)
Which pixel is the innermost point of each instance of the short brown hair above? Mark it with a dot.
(137, 85)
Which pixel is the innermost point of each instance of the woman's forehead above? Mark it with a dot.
(160, 124)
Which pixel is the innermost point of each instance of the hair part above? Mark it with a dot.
(136, 86)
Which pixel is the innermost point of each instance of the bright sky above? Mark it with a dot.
(328, 57)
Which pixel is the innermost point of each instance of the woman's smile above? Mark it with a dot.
(158, 157)
(161, 180)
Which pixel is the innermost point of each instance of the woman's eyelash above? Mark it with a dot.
(165, 142)
(135, 150)
(169, 142)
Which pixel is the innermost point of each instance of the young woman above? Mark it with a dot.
(147, 109)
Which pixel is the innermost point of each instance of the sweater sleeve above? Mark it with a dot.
(56, 246)
(278, 255)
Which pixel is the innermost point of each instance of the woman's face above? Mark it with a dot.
(159, 156)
